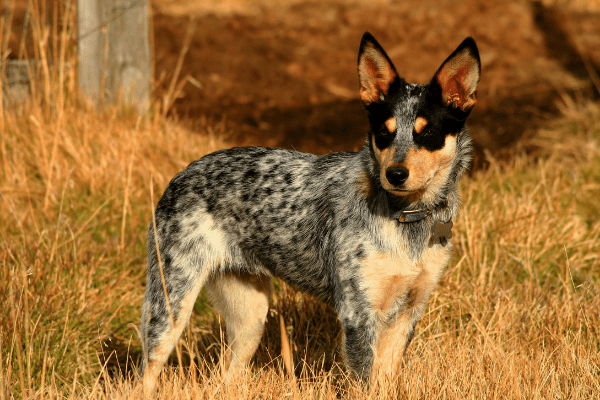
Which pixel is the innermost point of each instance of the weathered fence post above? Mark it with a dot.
(114, 51)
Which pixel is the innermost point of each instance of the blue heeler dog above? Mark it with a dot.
(367, 233)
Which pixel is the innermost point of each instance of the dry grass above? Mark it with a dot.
(516, 315)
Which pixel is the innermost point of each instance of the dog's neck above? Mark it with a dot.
(406, 212)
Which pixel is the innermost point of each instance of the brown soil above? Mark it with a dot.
(285, 74)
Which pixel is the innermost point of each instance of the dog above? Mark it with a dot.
(367, 232)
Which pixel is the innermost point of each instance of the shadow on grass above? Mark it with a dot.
(312, 328)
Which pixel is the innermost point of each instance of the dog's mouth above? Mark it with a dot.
(410, 194)
(403, 191)
(415, 186)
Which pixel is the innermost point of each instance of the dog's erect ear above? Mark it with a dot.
(458, 77)
(375, 71)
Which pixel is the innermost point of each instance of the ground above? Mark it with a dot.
(283, 73)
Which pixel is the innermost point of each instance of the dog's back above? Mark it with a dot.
(265, 210)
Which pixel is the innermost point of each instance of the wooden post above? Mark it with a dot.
(114, 51)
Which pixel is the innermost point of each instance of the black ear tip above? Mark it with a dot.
(471, 45)
(367, 38)
(470, 41)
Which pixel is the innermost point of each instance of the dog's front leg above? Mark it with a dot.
(397, 331)
(359, 327)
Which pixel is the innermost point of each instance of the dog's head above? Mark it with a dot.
(415, 129)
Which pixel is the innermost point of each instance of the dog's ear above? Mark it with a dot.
(458, 77)
(376, 73)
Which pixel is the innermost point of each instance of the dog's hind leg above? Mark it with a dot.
(184, 269)
(243, 301)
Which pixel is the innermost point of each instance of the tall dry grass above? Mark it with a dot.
(74, 194)
(516, 314)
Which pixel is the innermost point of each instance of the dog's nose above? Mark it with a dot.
(396, 175)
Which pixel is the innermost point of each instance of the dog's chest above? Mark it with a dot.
(391, 272)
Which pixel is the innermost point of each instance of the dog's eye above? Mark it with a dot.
(427, 132)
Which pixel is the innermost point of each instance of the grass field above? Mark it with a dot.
(516, 315)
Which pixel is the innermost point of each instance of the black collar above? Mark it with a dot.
(440, 231)
(408, 216)
(412, 215)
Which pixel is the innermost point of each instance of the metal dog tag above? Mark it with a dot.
(441, 231)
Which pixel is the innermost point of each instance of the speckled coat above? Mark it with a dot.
(327, 225)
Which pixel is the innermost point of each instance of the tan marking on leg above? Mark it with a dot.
(390, 125)
(393, 338)
(214, 250)
(161, 353)
(243, 301)
(420, 124)
(150, 379)
(389, 348)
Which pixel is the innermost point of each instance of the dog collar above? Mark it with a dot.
(440, 231)
(418, 215)
(412, 215)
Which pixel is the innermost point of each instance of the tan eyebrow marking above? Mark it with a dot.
(390, 124)
(420, 124)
